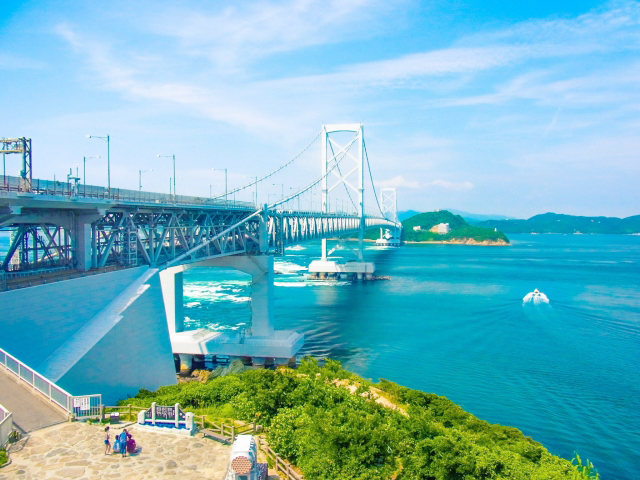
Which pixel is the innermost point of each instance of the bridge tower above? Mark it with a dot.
(390, 236)
(351, 175)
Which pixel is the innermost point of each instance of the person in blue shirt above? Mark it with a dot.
(123, 443)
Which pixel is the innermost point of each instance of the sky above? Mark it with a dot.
(487, 107)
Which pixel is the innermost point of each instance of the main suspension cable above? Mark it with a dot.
(270, 174)
(290, 197)
(371, 177)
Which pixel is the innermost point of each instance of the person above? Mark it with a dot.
(123, 443)
(131, 444)
(107, 441)
(116, 443)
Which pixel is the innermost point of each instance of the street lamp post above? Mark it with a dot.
(281, 189)
(106, 139)
(140, 172)
(256, 180)
(84, 174)
(225, 183)
(174, 173)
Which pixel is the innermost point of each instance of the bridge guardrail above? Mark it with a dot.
(6, 425)
(83, 406)
(67, 189)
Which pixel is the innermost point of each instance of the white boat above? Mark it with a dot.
(536, 297)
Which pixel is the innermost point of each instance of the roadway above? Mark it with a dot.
(30, 412)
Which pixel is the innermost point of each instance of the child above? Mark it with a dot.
(107, 441)
(116, 443)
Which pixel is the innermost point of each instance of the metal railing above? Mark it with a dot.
(83, 406)
(6, 426)
(67, 189)
(277, 463)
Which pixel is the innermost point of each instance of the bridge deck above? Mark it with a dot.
(29, 412)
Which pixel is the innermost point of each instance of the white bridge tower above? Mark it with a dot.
(390, 236)
(350, 173)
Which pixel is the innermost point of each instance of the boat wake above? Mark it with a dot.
(535, 297)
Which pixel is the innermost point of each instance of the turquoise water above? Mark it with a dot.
(452, 321)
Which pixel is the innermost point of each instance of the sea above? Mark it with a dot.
(452, 321)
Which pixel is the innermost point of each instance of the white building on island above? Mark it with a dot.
(441, 229)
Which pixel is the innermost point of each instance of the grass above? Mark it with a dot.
(4, 458)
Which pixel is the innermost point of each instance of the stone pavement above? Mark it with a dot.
(76, 450)
(31, 411)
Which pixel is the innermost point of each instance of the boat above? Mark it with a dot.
(536, 296)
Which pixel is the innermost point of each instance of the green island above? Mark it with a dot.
(558, 223)
(334, 425)
(461, 232)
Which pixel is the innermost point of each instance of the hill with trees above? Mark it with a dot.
(461, 232)
(335, 425)
(558, 223)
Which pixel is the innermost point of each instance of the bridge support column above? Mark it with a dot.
(262, 297)
(172, 291)
(83, 245)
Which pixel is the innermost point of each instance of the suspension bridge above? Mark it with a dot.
(93, 276)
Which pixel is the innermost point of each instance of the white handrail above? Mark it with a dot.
(37, 381)
(6, 425)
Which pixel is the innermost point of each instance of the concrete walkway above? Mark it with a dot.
(76, 450)
(29, 411)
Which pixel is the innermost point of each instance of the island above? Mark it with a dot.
(442, 226)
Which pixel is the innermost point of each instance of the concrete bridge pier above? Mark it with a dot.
(260, 342)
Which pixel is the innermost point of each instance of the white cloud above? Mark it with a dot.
(244, 32)
(397, 182)
(456, 186)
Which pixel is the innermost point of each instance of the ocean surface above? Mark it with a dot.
(452, 321)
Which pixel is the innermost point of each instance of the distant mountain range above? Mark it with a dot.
(558, 223)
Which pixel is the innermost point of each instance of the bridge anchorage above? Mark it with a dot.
(91, 271)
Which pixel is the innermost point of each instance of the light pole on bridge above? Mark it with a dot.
(106, 139)
(140, 172)
(174, 172)
(225, 183)
(281, 189)
(256, 181)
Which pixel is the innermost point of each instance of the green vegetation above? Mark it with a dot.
(312, 419)
(460, 229)
(556, 223)
(3, 457)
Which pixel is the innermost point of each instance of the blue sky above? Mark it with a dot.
(487, 107)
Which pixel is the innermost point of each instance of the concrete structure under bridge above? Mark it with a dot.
(91, 286)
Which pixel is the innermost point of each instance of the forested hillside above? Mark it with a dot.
(461, 231)
(334, 425)
(558, 223)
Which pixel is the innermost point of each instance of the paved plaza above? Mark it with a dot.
(76, 450)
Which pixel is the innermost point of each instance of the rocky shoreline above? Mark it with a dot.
(467, 241)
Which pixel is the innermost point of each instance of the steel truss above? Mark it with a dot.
(38, 246)
(135, 236)
(155, 238)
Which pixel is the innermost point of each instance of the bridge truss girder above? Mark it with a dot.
(156, 238)
(159, 237)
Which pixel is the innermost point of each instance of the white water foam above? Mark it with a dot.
(288, 268)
